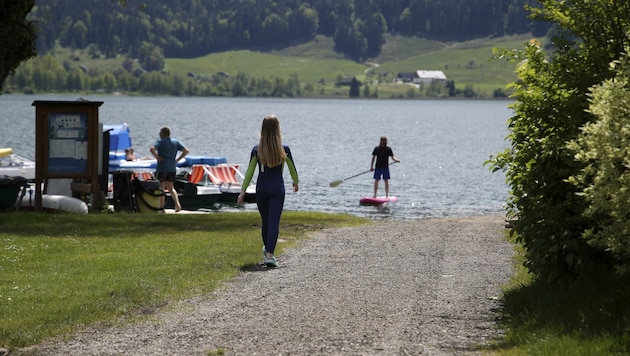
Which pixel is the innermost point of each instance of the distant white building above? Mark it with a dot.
(429, 76)
(423, 77)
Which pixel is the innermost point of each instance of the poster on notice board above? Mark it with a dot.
(67, 143)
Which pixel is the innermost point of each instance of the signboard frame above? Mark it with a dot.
(67, 142)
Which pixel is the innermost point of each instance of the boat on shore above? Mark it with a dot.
(202, 182)
(13, 165)
(16, 192)
(120, 140)
(56, 202)
(209, 187)
(10, 188)
(16, 174)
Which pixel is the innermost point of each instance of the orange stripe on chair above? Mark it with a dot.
(222, 174)
(230, 174)
(196, 173)
(213, 178)
(225, 177)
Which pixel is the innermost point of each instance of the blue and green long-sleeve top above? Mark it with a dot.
(266, 173)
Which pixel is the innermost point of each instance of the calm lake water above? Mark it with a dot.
(442, 145)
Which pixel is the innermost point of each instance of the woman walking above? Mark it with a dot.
(269, 155)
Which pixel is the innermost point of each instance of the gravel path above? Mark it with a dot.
(426, 287)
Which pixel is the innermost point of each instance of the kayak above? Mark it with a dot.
(377, 200)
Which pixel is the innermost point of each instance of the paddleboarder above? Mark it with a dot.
(269, 155)
(380, 155)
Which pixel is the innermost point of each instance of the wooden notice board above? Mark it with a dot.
(67, 138)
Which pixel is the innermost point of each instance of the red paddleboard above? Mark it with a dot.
(376, 201)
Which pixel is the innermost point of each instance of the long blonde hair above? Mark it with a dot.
(270, 150)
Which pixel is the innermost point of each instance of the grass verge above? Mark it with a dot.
(62, 272)
(591, 317)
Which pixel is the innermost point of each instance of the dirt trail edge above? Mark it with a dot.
(424, 287)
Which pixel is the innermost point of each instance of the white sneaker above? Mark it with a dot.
(271, 262)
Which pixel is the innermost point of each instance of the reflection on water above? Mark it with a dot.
(442, 145)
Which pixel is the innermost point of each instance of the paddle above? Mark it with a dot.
(337, 182)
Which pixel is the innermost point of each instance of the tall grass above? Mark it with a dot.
(61, 272)
(591, 317)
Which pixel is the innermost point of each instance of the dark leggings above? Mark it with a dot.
(270, 201)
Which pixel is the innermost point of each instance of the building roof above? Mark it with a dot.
(431, 74)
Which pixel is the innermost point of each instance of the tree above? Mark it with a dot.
(18, 35)
(373, 33)
(305, 22)
(275, 30)
(151, 57)
(450, 85)
(355, 91)
(186, 29)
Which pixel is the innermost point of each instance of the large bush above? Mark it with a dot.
(551, 108)
(546, 208)
(604, 149)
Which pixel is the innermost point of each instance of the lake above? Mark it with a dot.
(442, 145)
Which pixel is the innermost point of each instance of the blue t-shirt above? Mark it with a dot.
(167, 148)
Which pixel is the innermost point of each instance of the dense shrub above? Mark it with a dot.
(604, 149)
(546, 208)
(552, 214)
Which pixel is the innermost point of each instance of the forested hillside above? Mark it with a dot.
(192, 28)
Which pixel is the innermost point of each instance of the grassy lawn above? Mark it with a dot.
(62, 272)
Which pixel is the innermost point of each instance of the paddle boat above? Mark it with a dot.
(120, 140)
(13, 165)
(15, 174)
(206, 186)
(202, 182)
(10, 188)
(17, 179)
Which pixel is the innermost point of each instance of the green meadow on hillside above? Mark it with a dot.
(258, 64)
(318, 66)
(467, 63)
